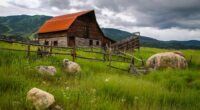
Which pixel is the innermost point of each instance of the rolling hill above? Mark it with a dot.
(23, 27)
(117, 35)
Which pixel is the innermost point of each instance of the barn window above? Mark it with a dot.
(55, 43)
(91, 42)
(46, 43)
(97, 42)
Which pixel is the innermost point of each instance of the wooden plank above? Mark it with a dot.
(126, 44)
(104, 53)
(89, 58)
(117, 68)
(110, 55)
(51, 48)
(93, 52)
(73, 53)
(8, 49)
(122, 61)
(131, 56)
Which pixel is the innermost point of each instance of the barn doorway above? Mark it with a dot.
(90, 42)
(55, 43)
(71, 41)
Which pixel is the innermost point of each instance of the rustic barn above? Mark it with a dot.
(76, 29)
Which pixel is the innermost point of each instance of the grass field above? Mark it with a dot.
(98, 87)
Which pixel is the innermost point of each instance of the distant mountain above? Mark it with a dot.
(148, 42)
(117, 35)
(23, 27)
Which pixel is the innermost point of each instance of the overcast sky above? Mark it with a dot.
(160, 19)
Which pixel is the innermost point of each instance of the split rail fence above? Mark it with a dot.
(130, 43)
(107, 53)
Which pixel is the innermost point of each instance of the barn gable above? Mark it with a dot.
(86, 26)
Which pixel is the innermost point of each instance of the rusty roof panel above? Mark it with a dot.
(60, 23)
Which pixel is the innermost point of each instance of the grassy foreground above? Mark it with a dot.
(98, 86)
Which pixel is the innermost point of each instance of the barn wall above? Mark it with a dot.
(86, 42)
(81, 41)
(53, 34)
(60, 37)
(95, 42)
(61, 41)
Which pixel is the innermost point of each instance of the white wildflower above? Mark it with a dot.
(93, 90)
(93, 100)
(136, 97)
(67, 88)
(107, 79)
(123, 99)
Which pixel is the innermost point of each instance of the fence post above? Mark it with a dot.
(92, 48)
(142, 61)
(190, 60)
(73, 53)
(132, 68)
(104, 53)
(110, 55)
(28, 49)
(132, 61)
(51, 48)
(39, 51)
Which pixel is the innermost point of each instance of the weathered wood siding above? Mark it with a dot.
(60, 37)
(61, 41)
(86, 42)
(86, 28)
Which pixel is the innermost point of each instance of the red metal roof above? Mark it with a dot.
(60, 23)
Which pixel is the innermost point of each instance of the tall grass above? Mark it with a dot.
(98, 86)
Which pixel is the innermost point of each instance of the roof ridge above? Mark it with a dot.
(52, 20)
(75, 14)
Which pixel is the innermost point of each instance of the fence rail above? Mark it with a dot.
(107, 53)
(127, 44)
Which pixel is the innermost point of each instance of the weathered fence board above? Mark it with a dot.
(108, 54)
(130, 43)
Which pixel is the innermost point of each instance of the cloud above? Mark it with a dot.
(161, 19)
(4, 3)
(25, 3)
(158, 13)
(61, 4)
(169, 34)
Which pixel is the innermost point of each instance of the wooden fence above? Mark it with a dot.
(127, 44)
(106, 52)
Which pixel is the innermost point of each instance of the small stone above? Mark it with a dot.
(50, 70)
(71, 67)
(55, 107)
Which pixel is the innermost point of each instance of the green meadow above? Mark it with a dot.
(98, 87)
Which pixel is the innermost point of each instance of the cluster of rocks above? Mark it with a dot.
(43, 100)
(68, 66)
